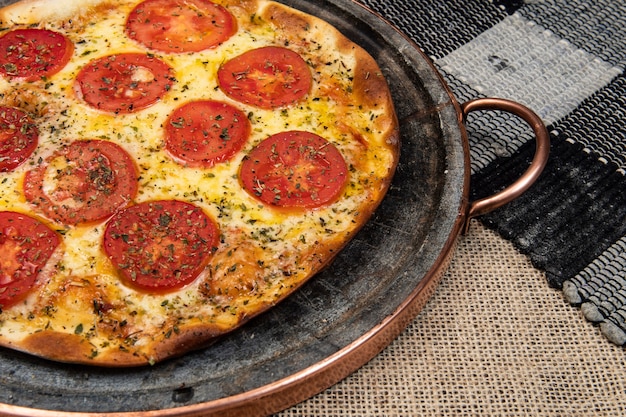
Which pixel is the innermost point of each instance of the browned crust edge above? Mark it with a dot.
(70, 348)
(27, 12)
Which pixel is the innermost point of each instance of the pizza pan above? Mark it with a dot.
(342, 317)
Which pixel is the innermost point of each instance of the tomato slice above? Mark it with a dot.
(203, 133)
(26, 245)
(32, 54)
(160, 245)
(83, 182)
(124, 83)
(267, 77)
(19, 137)
(294, 169)
(177, 26)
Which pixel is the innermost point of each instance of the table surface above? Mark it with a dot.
(528, 320)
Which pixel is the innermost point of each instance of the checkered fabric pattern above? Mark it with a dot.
(565, 60)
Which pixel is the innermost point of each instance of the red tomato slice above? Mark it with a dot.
(32, 54)
(160, 245)
(203, 133)
(26, 245)
(83, 182)
(294, 169)
(19, 137)
(124, 83)
(176, 26)
(267, 77)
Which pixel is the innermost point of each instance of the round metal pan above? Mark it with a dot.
(342, 317)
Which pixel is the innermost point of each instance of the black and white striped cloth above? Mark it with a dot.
(566, 61)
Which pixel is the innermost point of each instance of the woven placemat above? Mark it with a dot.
(493, 341)
(565, 61)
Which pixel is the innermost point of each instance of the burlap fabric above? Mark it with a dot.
(495, 340)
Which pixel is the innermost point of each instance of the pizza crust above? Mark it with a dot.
(28, 12)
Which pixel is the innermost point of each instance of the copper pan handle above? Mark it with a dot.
(542, 140)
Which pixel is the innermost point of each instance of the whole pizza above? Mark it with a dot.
(171, 168)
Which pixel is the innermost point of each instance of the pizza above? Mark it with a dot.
(170, 169)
